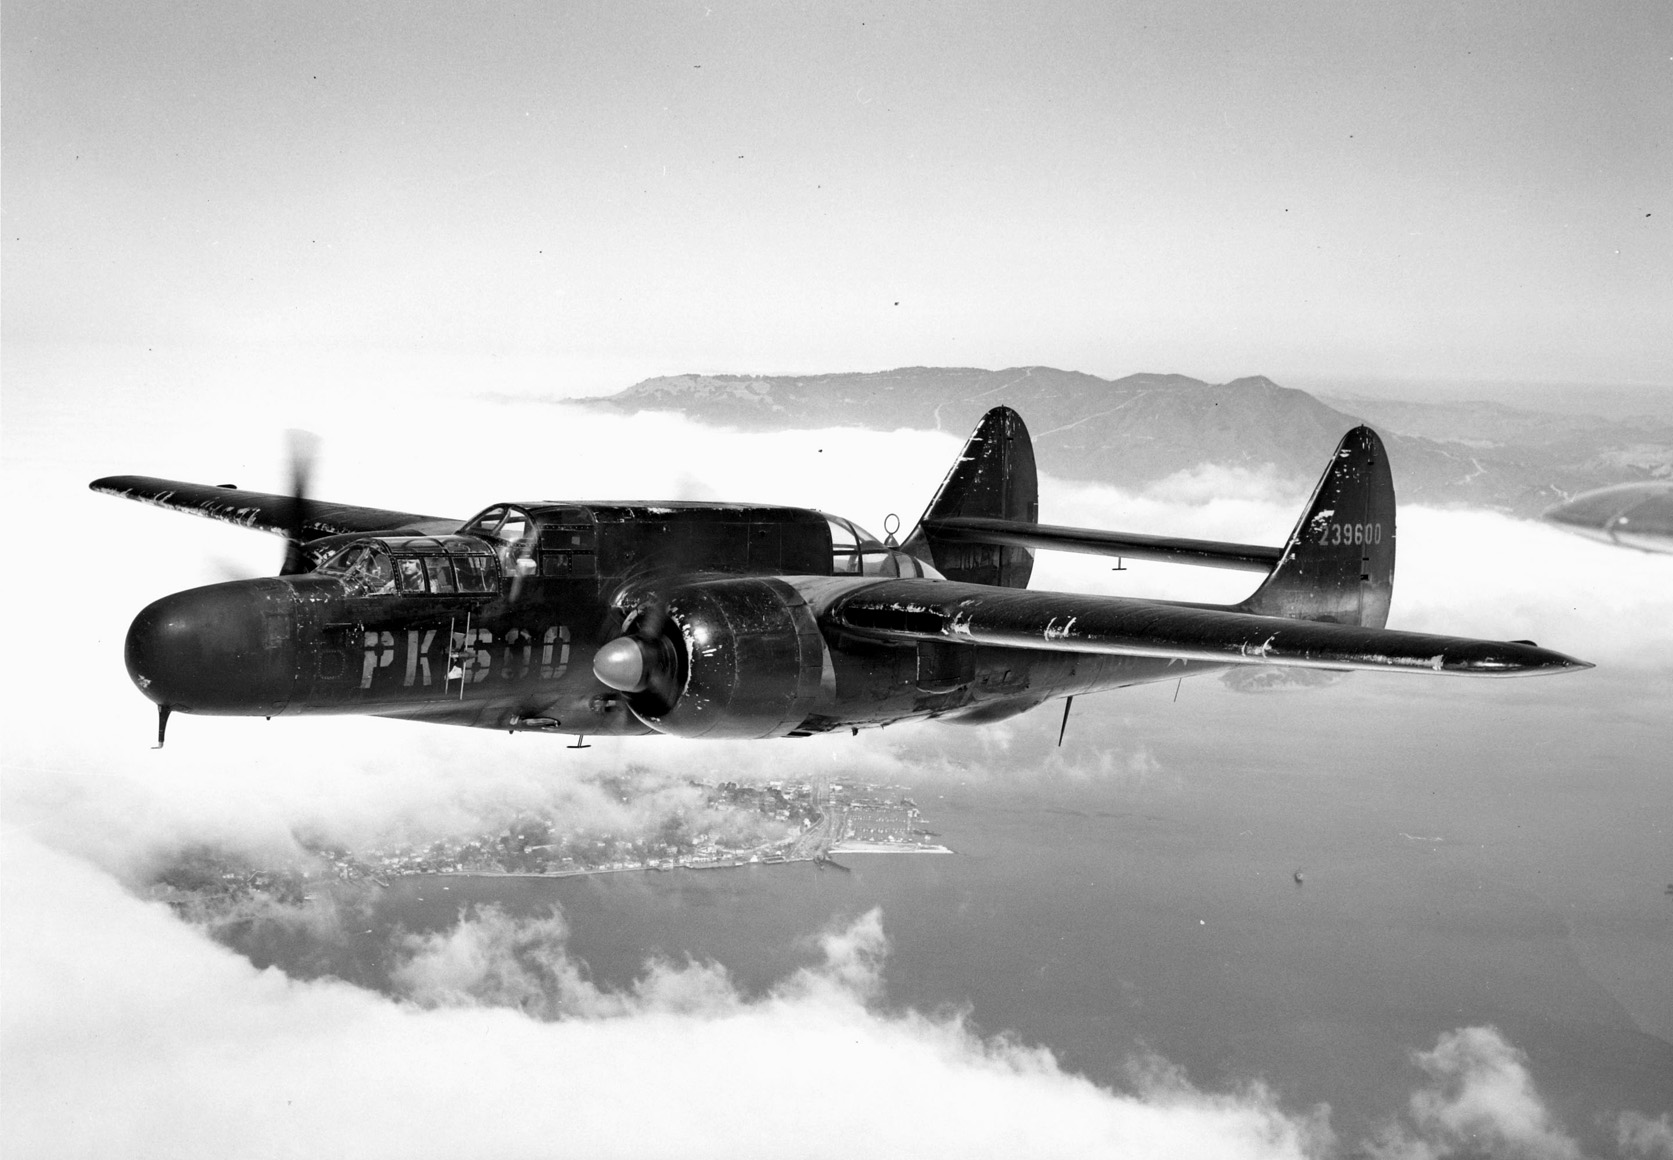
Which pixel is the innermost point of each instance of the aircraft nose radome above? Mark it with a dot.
(227, 648)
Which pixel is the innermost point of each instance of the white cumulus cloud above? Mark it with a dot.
(1480, 1101)
(128, 1033)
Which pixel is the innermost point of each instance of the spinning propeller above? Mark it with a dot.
(303, 448)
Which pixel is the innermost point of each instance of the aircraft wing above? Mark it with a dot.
(1173, 549)
(1633, 515)
(1120, 626)
(268, 512)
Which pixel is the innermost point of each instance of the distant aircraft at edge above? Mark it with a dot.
(1629, 515)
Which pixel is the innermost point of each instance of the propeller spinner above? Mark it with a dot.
(644, 661)
(627, 663)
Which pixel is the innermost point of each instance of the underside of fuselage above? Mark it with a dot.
(875, 686)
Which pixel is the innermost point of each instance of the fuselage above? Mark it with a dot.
(498, 626)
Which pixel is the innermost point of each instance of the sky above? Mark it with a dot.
(578, 196)
(225, 220)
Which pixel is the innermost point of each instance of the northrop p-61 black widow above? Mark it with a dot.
(739, 621)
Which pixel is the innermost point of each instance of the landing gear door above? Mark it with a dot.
(944, 667)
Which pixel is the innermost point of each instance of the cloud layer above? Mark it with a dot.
(122, 1023)
(128, 1033)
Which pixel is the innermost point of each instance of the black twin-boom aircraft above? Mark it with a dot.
(720, 620)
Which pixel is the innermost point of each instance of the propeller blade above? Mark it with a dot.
(651, 617)
(227, 568)
(303, 448)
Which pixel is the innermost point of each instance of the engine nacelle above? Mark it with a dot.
(751, 662)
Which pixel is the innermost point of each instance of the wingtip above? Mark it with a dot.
(1512, 658)
(1552, 663)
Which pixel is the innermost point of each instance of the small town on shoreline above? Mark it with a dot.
(778, 821)
(738, 825)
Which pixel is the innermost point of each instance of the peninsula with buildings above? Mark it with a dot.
(731, 825)
(779, 821)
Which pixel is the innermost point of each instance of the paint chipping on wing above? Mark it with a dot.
(1054, 631)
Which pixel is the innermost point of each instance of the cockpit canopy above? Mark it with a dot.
(507, 525)
(509, 542)
(856, 552)
(415, 566)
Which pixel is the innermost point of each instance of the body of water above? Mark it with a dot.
(1475, 862)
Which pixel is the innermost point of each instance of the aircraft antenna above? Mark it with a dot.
(1064, 728)
(162, 724)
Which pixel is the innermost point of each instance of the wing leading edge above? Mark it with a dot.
(1121, 626)
(265, 511)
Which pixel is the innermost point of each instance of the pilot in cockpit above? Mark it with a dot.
(380, 575)
(516, 534)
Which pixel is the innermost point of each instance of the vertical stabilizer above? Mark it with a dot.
(994, 478)
(1339, 563)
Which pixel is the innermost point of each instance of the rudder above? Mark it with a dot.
(993, 478)
(1338, 565)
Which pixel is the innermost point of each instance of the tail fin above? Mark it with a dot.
(1338, 566)
(994, 478)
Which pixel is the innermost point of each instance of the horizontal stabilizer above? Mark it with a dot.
(267, 512)
(1172, 549)
(1120, 626)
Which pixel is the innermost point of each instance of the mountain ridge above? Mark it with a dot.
(1145, 426)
